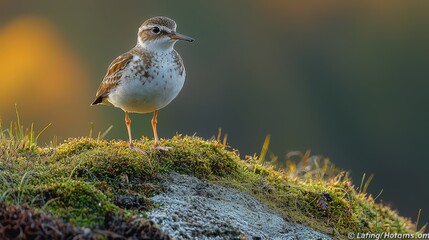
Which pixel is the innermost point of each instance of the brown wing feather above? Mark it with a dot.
(113, 76)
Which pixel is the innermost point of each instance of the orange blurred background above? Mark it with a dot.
(347, 80)
(43, 76)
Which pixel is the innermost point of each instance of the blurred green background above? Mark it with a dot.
(348, 80)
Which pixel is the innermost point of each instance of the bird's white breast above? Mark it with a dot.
(146, 86)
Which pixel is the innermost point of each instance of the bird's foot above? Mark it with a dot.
(158, 147)
(134, 148)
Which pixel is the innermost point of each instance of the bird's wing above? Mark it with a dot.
(113, 76)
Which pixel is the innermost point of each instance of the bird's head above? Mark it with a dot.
(159, 34)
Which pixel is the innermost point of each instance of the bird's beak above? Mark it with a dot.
(178, 36)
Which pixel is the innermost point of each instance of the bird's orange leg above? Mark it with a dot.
(128, 123)
(155, 133)
(131, 145)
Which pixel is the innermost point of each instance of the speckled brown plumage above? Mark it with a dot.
(161, 21)
(113, 75)
(116, 70)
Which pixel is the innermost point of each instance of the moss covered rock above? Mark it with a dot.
(82, 179)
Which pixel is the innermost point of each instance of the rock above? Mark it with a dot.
(195, 209)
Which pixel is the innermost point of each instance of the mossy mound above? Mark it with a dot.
(82, 179)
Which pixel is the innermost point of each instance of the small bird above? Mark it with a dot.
(148, 77)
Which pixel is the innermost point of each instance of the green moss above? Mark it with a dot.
(79, 179)
(79, 202)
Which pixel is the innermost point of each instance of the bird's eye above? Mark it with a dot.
(156, 30)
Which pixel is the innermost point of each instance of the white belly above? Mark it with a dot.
(148, 94)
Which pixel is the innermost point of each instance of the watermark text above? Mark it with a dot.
(386, 235)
